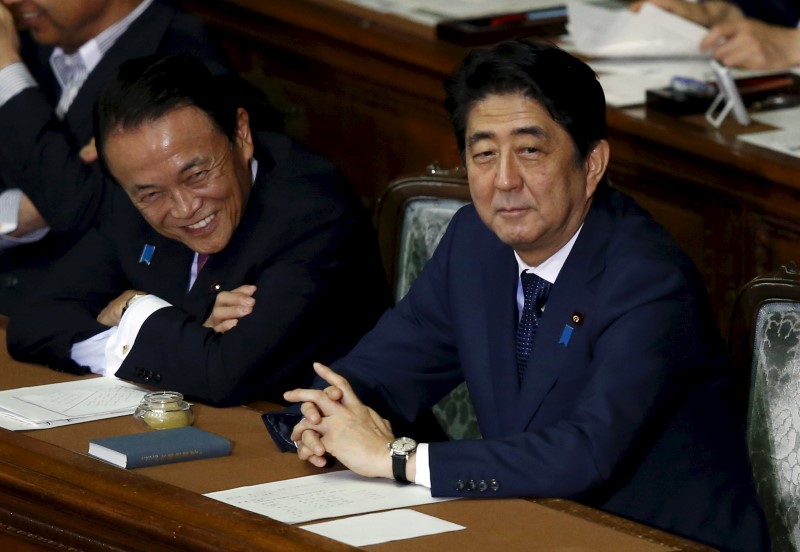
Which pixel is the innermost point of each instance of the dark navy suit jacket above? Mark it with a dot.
(623, 405)
(304, 240)
(778, 12)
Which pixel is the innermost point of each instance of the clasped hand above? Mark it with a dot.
(337, 423)
(229, 307)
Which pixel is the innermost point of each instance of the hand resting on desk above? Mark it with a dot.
(336, 422)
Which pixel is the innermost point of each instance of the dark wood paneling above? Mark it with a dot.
(366, 90)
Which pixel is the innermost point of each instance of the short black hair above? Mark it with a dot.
(148, 88)
(565, 86)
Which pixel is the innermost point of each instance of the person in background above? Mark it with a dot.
(583, 333)
(752, 34)
(229, 263)
(51, 73)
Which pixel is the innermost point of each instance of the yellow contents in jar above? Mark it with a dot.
(167, 419)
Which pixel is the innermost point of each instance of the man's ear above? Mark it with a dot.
(596, 165)
(244, 138)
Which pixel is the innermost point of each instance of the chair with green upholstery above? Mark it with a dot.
(771, 309)
(412, 216)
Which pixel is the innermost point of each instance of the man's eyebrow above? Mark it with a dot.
(534, 130)
(191, 164)
(138, 188)
(478, 136)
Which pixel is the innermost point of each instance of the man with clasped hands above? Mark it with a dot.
(231, 260)
(618, 398)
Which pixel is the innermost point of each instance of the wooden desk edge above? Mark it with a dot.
(90, 505)
(643, 532)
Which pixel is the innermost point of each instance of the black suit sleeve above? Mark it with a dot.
(65, 311)
(40, 154)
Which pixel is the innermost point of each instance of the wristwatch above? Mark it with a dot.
(130, 301)
(400, 449)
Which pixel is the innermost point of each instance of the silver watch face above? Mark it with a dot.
(404, 444)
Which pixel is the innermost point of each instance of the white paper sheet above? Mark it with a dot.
(72, 402)
(783, 140)
(382, 527)
(781, 118)
(431, 12)
(326, 495)
(623, 90)
(651, 32)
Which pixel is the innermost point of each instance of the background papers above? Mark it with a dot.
(652, 32)
(71, 402)
(326, 495)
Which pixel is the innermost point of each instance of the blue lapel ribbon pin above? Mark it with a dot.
(147, 254)
(565, 335)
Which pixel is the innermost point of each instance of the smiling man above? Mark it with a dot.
(55, 56)
(231, 259)
(582, 331)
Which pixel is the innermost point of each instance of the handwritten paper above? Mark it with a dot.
(72, 402)
(382, 527)
(326, 495)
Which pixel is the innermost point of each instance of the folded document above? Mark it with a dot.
(71, 402)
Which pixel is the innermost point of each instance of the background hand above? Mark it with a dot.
(88, 153)
(702, 13)
(9, 40)
(28, 219)
(229, 307)
(752, 44)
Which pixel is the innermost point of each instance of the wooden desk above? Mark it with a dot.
(54, 496)
(365, 89)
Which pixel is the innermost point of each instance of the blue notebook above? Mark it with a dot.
(164, 446)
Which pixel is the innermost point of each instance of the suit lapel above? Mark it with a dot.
(572, 294)
(496, 365)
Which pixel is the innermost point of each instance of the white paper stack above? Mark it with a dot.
(58, 404)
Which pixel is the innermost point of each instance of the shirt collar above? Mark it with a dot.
(550, 267)
(93, 50)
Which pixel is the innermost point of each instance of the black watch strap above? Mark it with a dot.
(399, 467)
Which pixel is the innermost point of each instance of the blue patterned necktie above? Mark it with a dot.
(535, 290)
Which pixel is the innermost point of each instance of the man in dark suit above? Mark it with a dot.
(51, 77)
(582, 331)
(231, 261)
(754, 34)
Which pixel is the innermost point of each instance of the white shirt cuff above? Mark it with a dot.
(9, 220)
(121, 343)
(92, 352)
(9, 210)
(14, 79)
(423, 474)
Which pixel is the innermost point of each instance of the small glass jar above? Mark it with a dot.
(164, 410)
